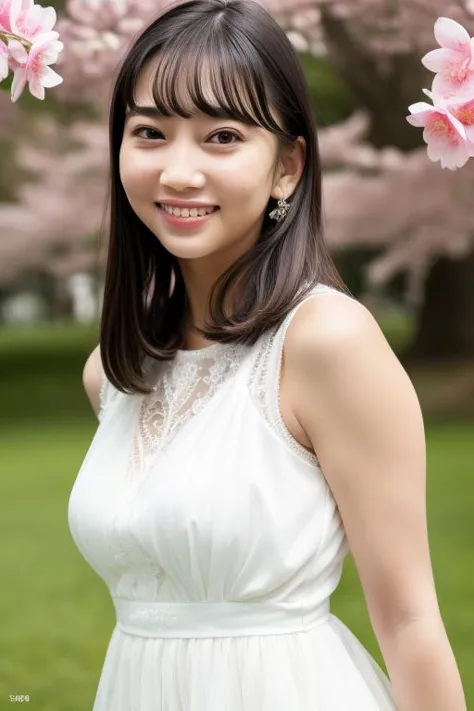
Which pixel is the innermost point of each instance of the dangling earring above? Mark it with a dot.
(281, 211)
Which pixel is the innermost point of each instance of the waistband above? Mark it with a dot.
(216, 619)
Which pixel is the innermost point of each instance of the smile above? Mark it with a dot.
(187, 212)
(186, 218)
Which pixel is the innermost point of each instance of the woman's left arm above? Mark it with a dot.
(362, 415)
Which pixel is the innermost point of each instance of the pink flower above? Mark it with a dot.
(29, 20)
(32, 66)
(444, 134)
(4, 56)
(454, 62)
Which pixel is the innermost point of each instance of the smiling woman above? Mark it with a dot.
(207, 500)
(210, 107)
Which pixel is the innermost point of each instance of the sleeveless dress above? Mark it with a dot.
(220, 543)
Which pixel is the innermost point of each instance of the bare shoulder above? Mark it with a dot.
(92, 378)
(324, 324)
(338, 355)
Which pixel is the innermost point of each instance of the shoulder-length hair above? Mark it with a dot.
(253, 67)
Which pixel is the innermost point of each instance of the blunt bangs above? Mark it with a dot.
(202, 70)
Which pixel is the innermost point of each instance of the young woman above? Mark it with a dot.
(255, 426)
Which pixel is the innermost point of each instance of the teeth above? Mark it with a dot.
(186, 212)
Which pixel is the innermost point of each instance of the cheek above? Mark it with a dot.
(135, 170)
(248, 177)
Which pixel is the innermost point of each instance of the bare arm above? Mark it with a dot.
(92, 379)
(360, 411)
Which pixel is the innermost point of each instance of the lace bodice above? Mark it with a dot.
(182, 388)
(185, 384)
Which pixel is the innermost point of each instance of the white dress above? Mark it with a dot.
(220, 543)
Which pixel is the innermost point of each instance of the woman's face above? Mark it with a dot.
(214, 162)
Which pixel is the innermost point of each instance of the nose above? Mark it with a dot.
(180, 172)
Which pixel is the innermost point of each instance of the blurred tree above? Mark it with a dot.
(381, 192)
(376, 46)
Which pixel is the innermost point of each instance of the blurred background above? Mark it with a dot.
(400, 228)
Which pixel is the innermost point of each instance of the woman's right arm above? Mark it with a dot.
(92, 379)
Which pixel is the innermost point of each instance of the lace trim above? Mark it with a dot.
(268, 402)
(184, 386)
(267, 398)
(102, 394)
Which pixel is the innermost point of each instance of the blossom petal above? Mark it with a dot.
(49, 18)
(446, 86)
(419, 120)
(451, 34)
(4, 56)
(420, 106)
(439, 59)
(15, 9)
(5, 15)
(45, 38)
(50, 78)
(49, 53)
(451, 157)
(18, 52)
(421, 112)
(18, 83)
(36, 88)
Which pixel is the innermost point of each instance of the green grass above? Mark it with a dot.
(54, 610)
(57, 616)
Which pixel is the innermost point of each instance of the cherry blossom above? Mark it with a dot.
(400, 203)
(444, 134)
(28, 45)
(449, 122)
(32, 66)
(454, 61)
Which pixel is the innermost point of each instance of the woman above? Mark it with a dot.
(255, 426)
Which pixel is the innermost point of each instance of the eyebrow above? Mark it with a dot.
(154, 112)
(150, 111)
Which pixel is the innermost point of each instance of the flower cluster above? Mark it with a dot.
(28, 46)
(449, 121)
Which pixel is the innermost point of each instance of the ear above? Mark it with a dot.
(291, 169)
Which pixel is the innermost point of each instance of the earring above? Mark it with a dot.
(281, 211)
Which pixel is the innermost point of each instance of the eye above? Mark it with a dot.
(137, 131)
(154, 134)
(227, 132)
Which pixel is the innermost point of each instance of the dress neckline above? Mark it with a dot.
(194, 354)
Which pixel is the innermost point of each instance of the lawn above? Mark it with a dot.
(57, 616)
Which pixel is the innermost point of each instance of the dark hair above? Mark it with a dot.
(253, 67)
